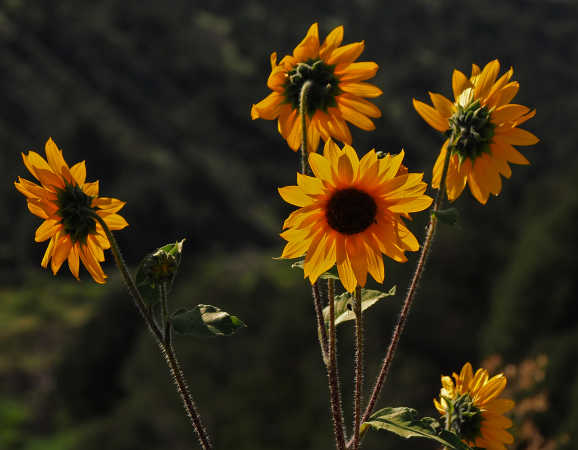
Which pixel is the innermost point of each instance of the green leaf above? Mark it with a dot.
(404, 422)
(204, 321)
(343, 304)
(158, 267)
(449, 216)
(330, 274)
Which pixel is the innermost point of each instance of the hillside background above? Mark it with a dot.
(156, 97)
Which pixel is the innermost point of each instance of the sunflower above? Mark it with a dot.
(482, 128)
(350, 213)
(68, 205)
(335, 97)
(470, 402)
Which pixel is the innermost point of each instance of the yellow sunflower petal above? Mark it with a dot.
(359, 104)
(332, 41)
(91, 189)
(443, 106)
(309, 47)
(459, 83)
(356, 118)
(294, 195)
(78, 172)
(73, 260)
(431, 116)
(357, 71)
(344, 268)
(268, 108)
(518, 136)
(477, 184)
(509, 113)
(49, 251)
(361, 89)
(92, 265)
(47, 229)
(346, 54)
(60, 254)
(114, 221)
(320, 165)
(505, 151)
(487, 78)
(110, 205)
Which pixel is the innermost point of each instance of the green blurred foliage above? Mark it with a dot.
(155, 96)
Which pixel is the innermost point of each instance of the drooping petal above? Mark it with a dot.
(431, 116)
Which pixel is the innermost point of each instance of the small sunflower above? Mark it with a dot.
(482, 128)
(351, 212)
(470, 402)
(335, 97)
(68, 205)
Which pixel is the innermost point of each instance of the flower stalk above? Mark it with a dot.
(332, 372)
(402, 319)
(163, 339)
(357, 309)
(303, 95)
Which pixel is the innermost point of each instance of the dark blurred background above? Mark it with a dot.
(156, 96)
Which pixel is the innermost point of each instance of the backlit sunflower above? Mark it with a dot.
(350, 213)
(482, 128)
(335, 97)
(68, 205)
(470, 402)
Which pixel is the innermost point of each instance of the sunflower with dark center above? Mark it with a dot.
(350, 213)
(481, 127)
(336, 95)
(69, 206)
(471, 408)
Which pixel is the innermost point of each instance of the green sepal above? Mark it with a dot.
(344, 304)
(330, 274)
(404, 422)
(205, 321)
(448, 216)
(158, 267)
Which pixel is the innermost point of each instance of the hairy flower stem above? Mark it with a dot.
(328, 347)
(163, 340)
(333, 373)
(358, 368)
(321, 331)
(303, 114)
(398, 330)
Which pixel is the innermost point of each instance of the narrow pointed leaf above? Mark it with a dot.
(330, 274)
(344, 304)
(404, 422)
(205, 321)
(449, 216)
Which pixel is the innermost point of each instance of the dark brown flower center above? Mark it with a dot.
(350, 211)
(74, 207)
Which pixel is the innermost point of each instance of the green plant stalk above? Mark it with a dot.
(164, 309)
(321, 331)
(328, 348)
(358, 385)
(333, 372)
(164, 342)
(398, 330)
(303, 115)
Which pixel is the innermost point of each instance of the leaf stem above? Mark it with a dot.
(398, 330)
(163, 342)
